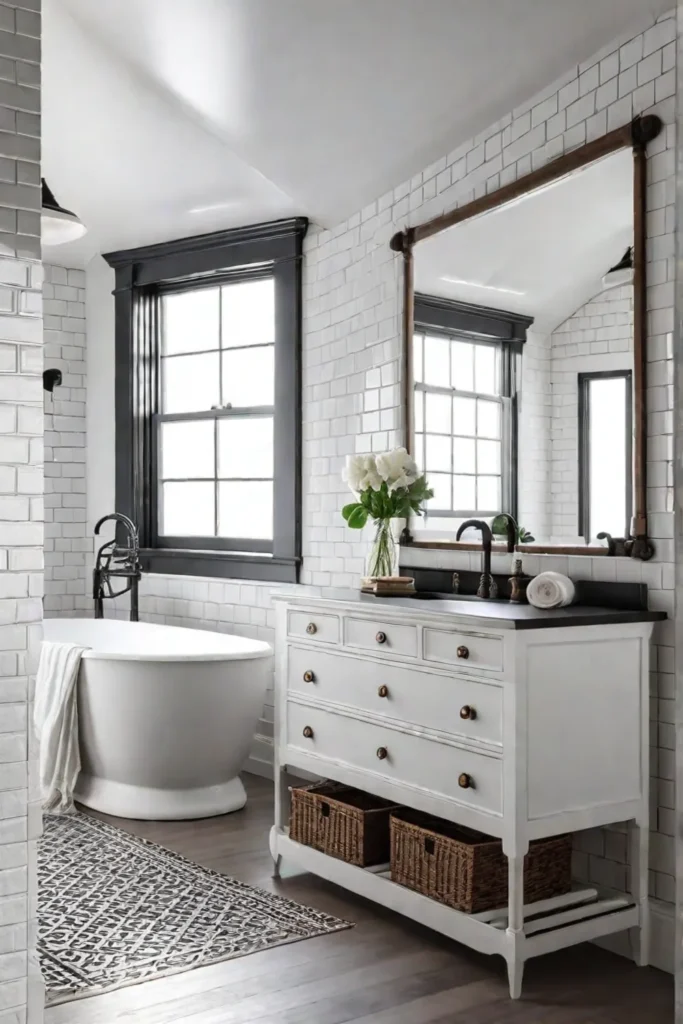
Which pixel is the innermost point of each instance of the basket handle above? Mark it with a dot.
(430, 845)
(325, 810)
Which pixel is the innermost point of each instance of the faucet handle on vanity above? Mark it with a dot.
(487, 586)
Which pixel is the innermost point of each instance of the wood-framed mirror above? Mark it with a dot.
(524, 355)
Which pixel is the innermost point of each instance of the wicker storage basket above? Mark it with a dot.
(342, 822)
(468, 870)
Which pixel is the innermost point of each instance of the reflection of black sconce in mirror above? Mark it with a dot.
(621, 272)
(51, 378)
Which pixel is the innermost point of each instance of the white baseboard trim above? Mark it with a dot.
(662, 938)
(260, 760)
(257, 766)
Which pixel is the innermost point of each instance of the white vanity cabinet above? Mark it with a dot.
(518, 723)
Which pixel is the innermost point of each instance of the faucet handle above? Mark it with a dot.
(487, 586)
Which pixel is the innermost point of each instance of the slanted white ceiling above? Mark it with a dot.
(263, 108)
(543, 255)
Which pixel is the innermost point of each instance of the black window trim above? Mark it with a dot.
(584, 380)
(142, 275)
(481, 324)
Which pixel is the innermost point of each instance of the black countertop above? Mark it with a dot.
(501, 613)
(525, 616)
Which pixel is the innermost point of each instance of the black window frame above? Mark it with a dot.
(480, 325)
(583, 383)
(143, 276)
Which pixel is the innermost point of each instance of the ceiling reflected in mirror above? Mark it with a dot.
(544, 254)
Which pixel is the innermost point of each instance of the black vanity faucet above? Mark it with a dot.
(117, 561)
(512, 529)
(487, 585)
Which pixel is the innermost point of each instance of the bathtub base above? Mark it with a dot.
(125, 801)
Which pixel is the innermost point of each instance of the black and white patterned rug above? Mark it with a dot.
(115, 910)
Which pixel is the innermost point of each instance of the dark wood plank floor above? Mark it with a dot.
(386, 970)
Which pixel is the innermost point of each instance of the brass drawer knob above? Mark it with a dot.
(311, 628)
(383, 691)
(463, 652)
(465, 781)
(382, 753)
(468, 712)
(308, 732)
(309, 677)
(381, 637)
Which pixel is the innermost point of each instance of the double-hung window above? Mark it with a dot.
(215, 431)
(208, 401)
(464, 408)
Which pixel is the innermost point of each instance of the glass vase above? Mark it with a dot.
(383, 556)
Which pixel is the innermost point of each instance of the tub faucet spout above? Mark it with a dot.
(116, 560)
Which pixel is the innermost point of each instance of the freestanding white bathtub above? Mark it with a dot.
(166, 716)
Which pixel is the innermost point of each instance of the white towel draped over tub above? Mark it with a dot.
(55, 717)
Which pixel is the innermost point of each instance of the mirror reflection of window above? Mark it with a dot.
(605, 453)
(462, 418)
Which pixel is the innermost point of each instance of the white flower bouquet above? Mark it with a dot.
(388, 486)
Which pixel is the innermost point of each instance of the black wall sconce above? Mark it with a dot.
(51, 378)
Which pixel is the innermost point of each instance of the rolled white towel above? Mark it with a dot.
(550, 590)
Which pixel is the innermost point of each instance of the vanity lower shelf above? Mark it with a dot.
(579, 916)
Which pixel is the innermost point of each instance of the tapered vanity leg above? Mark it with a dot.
(639, 835)
(515, 928)
(515, 975)
(282, 804)
(277, 859)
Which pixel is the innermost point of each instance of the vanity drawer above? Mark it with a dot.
(372, 635)
(466, 650)
(463, 707)
(313, 626)
(472, 779)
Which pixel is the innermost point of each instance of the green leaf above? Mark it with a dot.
(499, 526)
(348, 509)
(358, 518)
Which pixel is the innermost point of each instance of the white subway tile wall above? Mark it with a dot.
(21, 512)
(351, 384)
(534, 507)
(68, 548)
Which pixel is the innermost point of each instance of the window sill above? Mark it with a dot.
(222, 564)
(593, 551)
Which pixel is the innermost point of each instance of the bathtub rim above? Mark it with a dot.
(259, 649)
